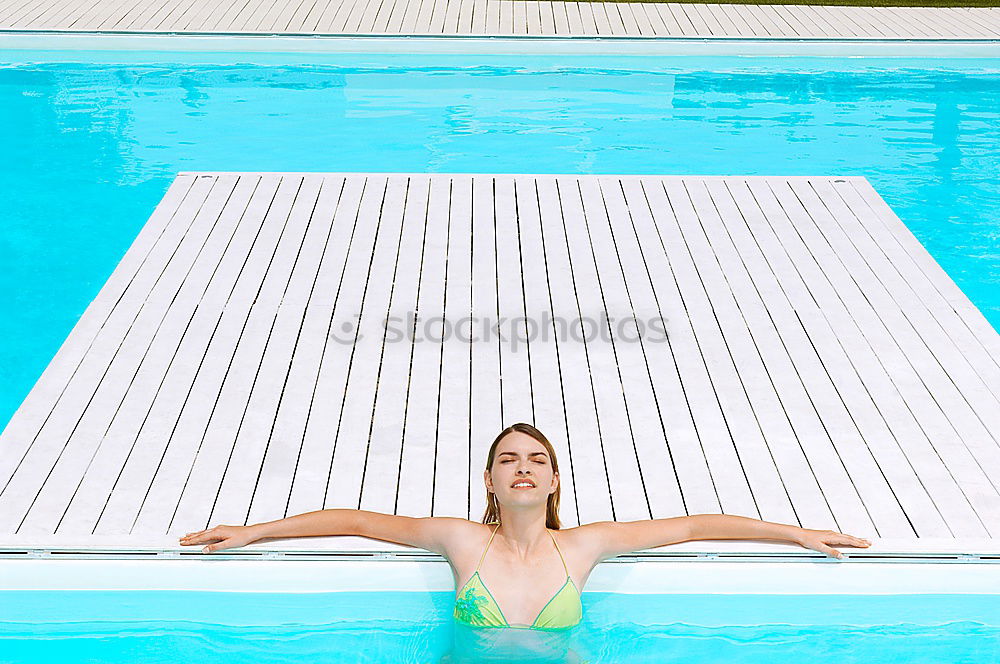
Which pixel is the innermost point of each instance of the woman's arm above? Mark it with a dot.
(436, 534)
(608, 539)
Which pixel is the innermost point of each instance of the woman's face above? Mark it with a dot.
(522, 472)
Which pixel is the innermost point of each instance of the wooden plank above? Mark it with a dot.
(424, 392)
(195, 17)
(277, 469)
(13, 11)
(147, 475)
(819, 19)
(65, 16)
(422, 18)
(219, 13)
(631, 21)
(615, 21)
(666, 423)
(694, 17)
(516, 402)
(408, 25)
(274, 16)
(766, 282)
(588, 19)
(866, 25)
(333, 16)
(35, 13)
(629, 487)
(81, 17)
(452, 489)
(744, 23)
(753, 408)
(560, 18)
(479, 17)
(589, 461)
(601, 18)
(851, 376)
(547, 22)
(352, 436)
(227, 430)
(777, 23)
(282, 303)
(150, 447)
(627, 360)
(927, 466)
(301, 19)
(494, 8)
(380, 20)
(690, 346)
(224, 14)
(487, 421)
(726, 26)
(439, 11)
(894, 237)
(165, 21)
(362, 17)
(452, 15)
(250, 16)
(675, 19)
(958, 389)
(310, 24)
(532, 17)
(653, 18)
(986, 19)
(969, 366)
(541, 341)
(886, 372)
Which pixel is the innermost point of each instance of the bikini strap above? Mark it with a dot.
(483, 557)
(559, 550)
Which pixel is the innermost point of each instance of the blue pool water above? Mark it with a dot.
(89, 149)
(399, 627)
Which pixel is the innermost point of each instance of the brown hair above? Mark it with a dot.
(492, 514)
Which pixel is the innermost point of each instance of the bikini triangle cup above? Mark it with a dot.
(476, 606)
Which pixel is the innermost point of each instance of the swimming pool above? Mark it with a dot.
(400, 627)
(92, 140)
(201, 609)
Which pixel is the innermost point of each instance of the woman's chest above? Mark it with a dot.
(520, 594)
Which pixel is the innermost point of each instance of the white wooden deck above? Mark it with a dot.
(501, 17)
(819, 368)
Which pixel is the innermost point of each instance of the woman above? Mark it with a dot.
(533, 577)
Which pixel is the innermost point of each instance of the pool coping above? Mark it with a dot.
(829, 577)
(520, 45)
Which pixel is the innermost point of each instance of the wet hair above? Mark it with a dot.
(492, 514)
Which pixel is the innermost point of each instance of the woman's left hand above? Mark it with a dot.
(824, 541)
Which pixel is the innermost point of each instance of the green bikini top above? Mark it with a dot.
(475, 604)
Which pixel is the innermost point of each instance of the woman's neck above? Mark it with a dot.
(523, 532)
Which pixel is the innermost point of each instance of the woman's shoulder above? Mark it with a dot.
(463, 534)
(586, 539)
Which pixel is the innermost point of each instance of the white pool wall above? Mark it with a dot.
(661, 577)
(264, 44)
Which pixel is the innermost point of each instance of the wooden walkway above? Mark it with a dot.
(818, 367)
(501, 17)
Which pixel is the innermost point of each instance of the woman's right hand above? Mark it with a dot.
(221, 537)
